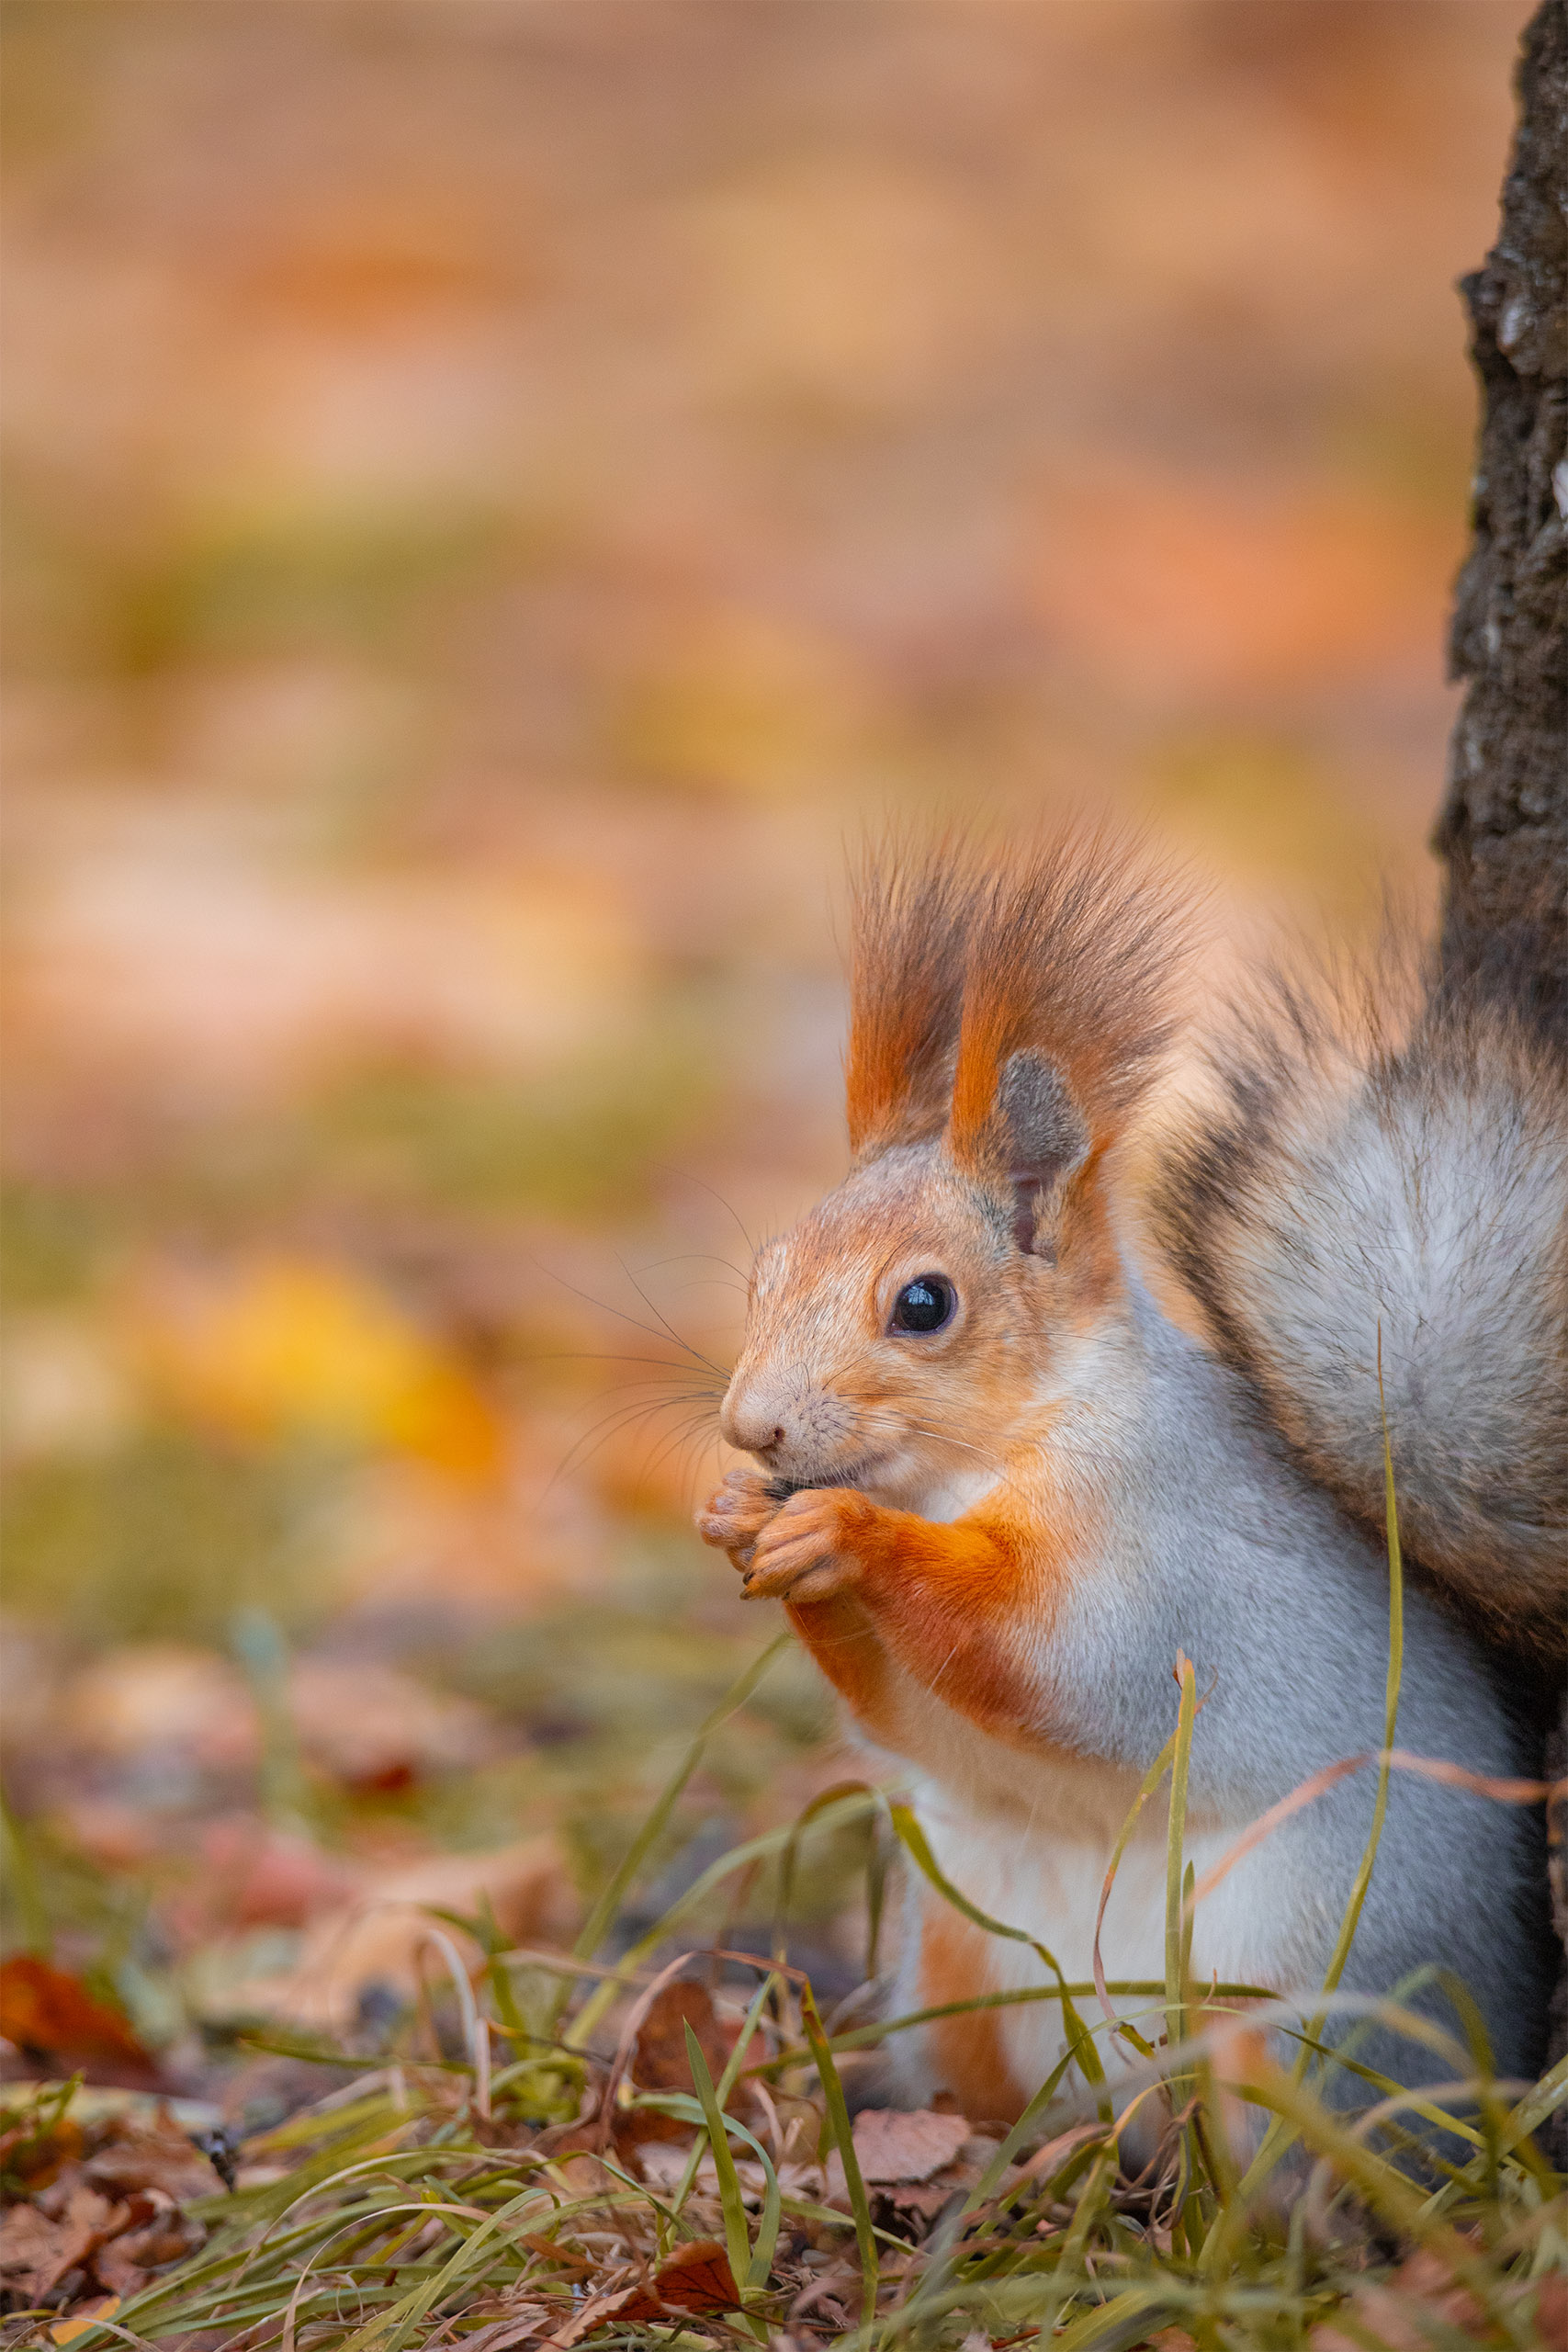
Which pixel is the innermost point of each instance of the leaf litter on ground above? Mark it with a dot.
(634, 2157)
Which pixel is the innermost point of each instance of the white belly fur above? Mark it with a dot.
(1039, 1864)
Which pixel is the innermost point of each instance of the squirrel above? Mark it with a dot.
(999, 1489)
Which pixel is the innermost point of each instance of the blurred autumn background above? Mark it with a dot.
(497, 493)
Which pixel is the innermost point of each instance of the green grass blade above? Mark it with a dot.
(736, 2236)
(1151, 1781)
(1175, 1990)
(606, 1910)
(839, 2123)
(990, 2179)
(771, 1841)
(726, 2082)
(1352, 1918)
(1549, 2095)
(1144, 1988)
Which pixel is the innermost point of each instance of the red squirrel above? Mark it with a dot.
(999, 1491)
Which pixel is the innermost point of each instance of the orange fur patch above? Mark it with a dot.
(952, 1600)
(846, 1646)
(951, 1604)
(967, 2055)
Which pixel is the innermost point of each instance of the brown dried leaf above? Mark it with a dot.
(382, 1937)
(162, 2158)
(922, 2198)
(697, 2277)
(42, 2009)
(158, 2232)
(660, 2061)
(39, 2246)
(623, 2300)
(892, 2146)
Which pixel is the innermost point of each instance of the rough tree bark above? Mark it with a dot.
(1504, 829)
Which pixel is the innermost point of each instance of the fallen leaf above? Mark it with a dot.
(660, 2062)
(892, 2146)
(156, 2233)
(50, 2015)
(697, 2277)
(38, 2247)
(375, 1727)
(381, 1936)
(621, 2301)
(290, 1345)
(922, 2200)
(169, 1697)
(128, 2160)
(66, 2331)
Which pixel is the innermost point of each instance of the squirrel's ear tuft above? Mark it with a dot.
(1045, 974)
(1074, 951)
(912, 917)
(1043, 1136)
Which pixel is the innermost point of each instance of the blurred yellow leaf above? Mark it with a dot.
(87, 2316)
(288, 1346)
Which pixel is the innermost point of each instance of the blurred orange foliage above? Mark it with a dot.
(284, 1347)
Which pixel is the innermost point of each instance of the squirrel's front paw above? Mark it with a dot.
(737, 1513)
(807, 1550)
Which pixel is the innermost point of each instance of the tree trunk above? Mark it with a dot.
(1504, 829)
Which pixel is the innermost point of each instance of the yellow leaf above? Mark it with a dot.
(66, 2331)
(288, 1346)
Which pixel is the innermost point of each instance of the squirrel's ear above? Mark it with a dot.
(1046, 1138)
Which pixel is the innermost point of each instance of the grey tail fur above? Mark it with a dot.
(1356, 1189)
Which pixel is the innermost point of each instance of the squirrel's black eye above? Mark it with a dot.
(924, 1305)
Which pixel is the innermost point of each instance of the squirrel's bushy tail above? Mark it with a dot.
(1353, 1188)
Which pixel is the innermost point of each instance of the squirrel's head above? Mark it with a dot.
(1005, 1020)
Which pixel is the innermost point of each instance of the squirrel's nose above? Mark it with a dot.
(749, 1424)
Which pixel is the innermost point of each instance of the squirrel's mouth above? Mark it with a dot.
(858, 1473)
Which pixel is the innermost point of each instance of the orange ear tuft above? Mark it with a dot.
(911, 921)
(1063, 956)
(1071, 962)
